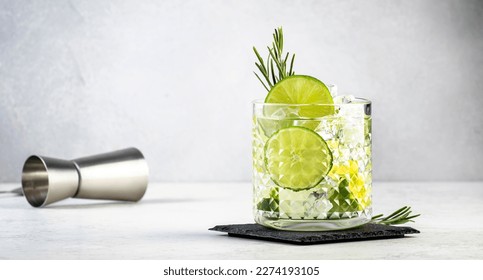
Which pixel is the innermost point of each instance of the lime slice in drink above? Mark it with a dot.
(297, 158)
(300, 89)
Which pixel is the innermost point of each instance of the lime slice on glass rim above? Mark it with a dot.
(306, 90)
(297, 158)
(311, 99)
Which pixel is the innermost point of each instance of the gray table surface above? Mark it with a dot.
(172, 221)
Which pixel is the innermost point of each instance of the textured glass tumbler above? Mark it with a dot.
(312, 165)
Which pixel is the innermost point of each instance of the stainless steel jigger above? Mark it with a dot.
(118, 175)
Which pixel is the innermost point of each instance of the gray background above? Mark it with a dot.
(174, 78)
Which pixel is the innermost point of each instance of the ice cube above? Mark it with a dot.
(344, 99)
(351, 120)
(332, 90)
(354, 110)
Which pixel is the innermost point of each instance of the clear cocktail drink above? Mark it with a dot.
(312, 164)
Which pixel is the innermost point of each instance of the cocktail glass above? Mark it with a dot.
(312, 189)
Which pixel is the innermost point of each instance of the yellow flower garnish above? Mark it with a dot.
(350, 172)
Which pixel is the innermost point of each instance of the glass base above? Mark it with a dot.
(312, 225)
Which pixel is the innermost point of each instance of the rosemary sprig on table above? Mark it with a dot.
(275, 68)
(400, 216)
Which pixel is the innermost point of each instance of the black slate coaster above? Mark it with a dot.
(365, 232)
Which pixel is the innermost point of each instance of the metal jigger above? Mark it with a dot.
(118, 175)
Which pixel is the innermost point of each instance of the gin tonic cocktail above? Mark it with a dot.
(311, 161)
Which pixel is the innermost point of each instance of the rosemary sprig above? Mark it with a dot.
(275, 67)
(400, 216)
